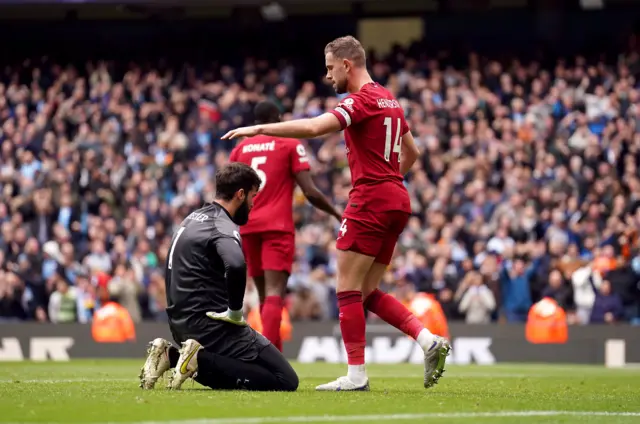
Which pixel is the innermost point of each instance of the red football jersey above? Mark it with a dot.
(374, 124)
(277, 161)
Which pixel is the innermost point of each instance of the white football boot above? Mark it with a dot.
(435, 358)
(344, 384)
(187, 366)
(157, 363)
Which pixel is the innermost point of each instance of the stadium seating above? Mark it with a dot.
(528, 186)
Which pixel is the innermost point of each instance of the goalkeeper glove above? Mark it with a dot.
(232, 317)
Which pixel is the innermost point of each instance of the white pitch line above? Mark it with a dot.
(390, 417)
(383, 417)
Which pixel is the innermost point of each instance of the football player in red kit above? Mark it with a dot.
(268, 238)
(380, 150)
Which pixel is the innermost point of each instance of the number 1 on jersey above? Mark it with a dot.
(388, 123)
(255, 163)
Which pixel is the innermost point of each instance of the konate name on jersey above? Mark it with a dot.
(277, 161)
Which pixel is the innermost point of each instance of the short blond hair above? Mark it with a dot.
(347, 48)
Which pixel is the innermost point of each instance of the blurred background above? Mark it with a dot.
(527, 113)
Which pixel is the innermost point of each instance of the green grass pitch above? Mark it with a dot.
(107, 392)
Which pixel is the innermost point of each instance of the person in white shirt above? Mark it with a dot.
(477, 302)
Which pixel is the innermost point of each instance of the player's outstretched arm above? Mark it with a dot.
(314, 195)
(409, 153)
(299, 128)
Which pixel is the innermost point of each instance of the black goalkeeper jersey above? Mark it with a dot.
(206, 272)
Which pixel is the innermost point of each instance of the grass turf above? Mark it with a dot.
(107, 391)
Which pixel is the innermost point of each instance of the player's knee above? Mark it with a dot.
(275, 290)
(275, 283)
(290, 382)
(366, 292)
(287, 377)
(347, 284)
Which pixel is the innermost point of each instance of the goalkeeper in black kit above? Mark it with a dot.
(205, 282)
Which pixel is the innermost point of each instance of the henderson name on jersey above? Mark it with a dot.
(374, 123)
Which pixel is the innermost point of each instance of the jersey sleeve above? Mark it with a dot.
(298, 159)
(235, 270)
(405, 127)
(228, 246)
(233, 156)
(351, 110)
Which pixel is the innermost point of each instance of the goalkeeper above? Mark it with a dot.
(205, 280)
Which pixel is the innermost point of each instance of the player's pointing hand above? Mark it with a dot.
(241, 132)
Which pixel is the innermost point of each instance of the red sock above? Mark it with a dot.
(271, 317)
(352, 325)
(394, 313)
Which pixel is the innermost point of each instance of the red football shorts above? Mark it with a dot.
(372, 233)
(271, 250)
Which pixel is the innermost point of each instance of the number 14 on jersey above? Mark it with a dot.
(388, 123)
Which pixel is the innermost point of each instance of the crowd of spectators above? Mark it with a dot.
(528, 185)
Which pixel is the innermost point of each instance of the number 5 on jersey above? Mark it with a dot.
(388, 123)
(255, 163)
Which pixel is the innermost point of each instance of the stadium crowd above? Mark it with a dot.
(528, 186)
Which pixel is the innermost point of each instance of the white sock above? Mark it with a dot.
(425, 339)
(357, 374)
